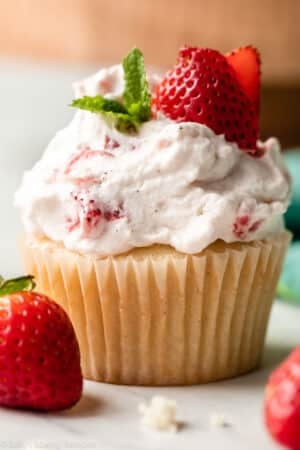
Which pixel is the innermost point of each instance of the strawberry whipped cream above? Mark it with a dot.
(99, 191)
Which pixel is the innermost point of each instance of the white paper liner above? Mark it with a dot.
(158, 317)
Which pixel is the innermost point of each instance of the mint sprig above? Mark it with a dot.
(123, 122)
(16, 285)
(135, 107)
(99, 104)
(114, 112)
(137, 97)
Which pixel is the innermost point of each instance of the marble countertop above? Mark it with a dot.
(107, 417)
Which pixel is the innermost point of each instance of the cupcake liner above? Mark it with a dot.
(155, 316)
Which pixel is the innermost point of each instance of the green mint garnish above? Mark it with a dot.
(135, 107)
(114, 112)
(16, 285)
(99, 104)
(123, 122)
(137, 98)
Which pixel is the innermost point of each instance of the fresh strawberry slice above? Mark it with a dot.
(282, 402)
(39, 352)
(203, 88)
(246, 63)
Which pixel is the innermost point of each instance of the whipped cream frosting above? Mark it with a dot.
(98, 191)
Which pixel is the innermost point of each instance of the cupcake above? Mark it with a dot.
(155, 220)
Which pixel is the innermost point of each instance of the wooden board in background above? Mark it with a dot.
(102, 31)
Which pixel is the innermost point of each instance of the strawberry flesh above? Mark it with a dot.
(246, 63)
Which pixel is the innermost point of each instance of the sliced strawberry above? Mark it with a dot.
(203, 88)
(246, 63)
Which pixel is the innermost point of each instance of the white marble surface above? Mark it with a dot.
(107, 416)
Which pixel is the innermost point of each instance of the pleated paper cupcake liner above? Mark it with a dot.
(155, 316)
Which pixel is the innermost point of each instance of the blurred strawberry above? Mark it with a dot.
(282, 402)
(39, 352)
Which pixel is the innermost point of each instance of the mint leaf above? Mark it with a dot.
(123, 122)
(114, 112)
(98, 104)
(17, 285)
(137, 98)
(136, 106)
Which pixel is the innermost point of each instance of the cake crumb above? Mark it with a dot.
(160, 414)
(39, 445)
(218, 420)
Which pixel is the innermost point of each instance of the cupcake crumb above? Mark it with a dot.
(38, 445)
(159, 414)
(218, 420)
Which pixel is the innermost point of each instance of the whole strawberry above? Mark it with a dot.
(209, 88)
(282, 402)
(39, 352)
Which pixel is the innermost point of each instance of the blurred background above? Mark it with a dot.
(47, 44)
(97, 32)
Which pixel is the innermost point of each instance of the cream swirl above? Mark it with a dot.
(96, 190)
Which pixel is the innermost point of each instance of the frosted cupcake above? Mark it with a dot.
(155, 220)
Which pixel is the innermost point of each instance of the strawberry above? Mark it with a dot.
(203, 87)
(282, 402)
(246, 63)
(39, 353)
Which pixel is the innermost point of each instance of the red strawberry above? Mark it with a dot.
(282, 402)
(246, 63)
(203, 88)
(39, 353)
